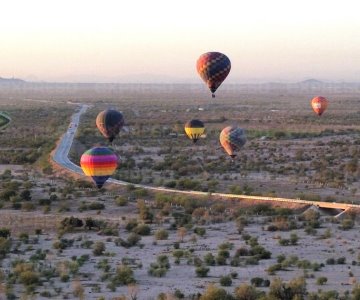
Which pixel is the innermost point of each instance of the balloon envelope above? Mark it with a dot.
(319, 105)
(194, 129)
(232, 138)
(213, 68)
(109, 122)
(99, 163)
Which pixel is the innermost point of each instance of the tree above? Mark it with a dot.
(98, 248)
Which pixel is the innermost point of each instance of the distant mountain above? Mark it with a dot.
(11, 80)
(311, 82)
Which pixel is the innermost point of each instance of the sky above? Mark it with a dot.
(160, 40)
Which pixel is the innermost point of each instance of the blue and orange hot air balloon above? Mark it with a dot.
(232, 138)
(109, 122)
(213, 68)
(319, 105)
(99, 163)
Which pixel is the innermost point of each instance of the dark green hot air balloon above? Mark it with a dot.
(110, 122)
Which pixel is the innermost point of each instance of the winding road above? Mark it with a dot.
(5, 116)
(61, 157)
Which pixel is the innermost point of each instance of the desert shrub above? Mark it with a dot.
(202, 271)
(133, 239)
(5, 246)
(273, 268)
(246, 292)
(257, 281)
(161, 234)
(98, 248)
(142, 229)
(347, 224)
(5, 232)
(341, 260)
(242, 252)
(200, 231)
(121, 201)
(294, 289)
(124, 275)
(209, 259)
(160, 267)
(226, 280)
(321, 280)
(131, 224)
(29, 277)
(214, 293)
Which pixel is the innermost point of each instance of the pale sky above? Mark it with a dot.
(160, 40)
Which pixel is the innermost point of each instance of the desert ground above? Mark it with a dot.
(63, 239)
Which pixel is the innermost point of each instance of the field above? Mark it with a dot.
(61, 238)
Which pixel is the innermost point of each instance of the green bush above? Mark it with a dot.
(161, 234)
(321, 280)
(202, 271)
(226, 280)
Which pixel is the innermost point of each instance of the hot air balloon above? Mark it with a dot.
(319, 105)
(213, 68)
(232, 138)
(194, 129)
(109, 122)
(99, 163)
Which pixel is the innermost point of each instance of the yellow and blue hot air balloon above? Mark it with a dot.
(232, 138)
(213, 68)
(99, 163)
(109, 122)
(194, 129)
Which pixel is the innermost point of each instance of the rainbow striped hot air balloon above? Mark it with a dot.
(213, 68)
(232, 138)
(319, 105)
(99, 163)
(109, 122)
(194, 129)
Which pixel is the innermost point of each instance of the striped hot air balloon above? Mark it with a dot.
(194, 129)
(109, 122)
(232, 138)
(213, 68)
(319, 105)
(99, 163)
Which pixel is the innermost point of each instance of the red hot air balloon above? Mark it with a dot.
(99, 163)
(319, 105)
(232, 138)
(213, 68)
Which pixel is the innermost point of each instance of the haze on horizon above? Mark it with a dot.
(160, 41)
